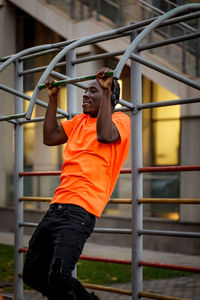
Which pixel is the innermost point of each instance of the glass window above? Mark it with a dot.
(166, 128)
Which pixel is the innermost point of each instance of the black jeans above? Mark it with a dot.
(54, 250)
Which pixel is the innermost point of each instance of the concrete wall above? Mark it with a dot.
(190, 155)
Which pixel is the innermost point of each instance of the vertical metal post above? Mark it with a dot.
(120, 13)
(137, 181)
(71, 98)
(72, 9)
(98, 7)
(71, 89)
(81, 10)
(197, 70)
(90, 8)
(18, 185)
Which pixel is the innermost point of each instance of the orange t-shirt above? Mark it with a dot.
(91, 168)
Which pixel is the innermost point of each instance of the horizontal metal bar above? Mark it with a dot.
(122, 109)
(28, 224)
(96, 230)
(171, 200)
(125, 171)
(120, 201)
(73, 80)
(61, 76)
(158, 296)
(11, 117)
(40, 173)
(122, 171)
(94, 258)
(48, 199)
(39, 119)
(22, 250)
(39, 53)
(26, 97)
(165, 71)
(113, 230)
(35, 199)
(106, 289)
(40, 69)
(129, 262)
(126, 103)
(106, 260)
(169, 266)
(58, 173)
(178, 39)
(169, 169)
(169, 233)
(10, 121)
(97, 56)
(168, 103)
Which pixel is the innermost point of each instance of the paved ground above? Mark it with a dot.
(182, 287)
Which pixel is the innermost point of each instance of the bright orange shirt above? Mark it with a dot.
(91, 168)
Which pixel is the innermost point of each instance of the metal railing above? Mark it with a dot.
(138, 32)
(119, 13)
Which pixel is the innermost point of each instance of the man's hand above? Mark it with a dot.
(52, 91)
(104, 82)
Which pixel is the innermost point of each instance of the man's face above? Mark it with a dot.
(92, 99)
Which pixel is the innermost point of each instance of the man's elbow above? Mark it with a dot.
(106, 139)
(47, 142)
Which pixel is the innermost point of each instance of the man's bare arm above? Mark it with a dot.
(107, 132)
(53, 134)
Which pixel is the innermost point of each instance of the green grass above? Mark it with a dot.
(107, 273)
(6, 263)
(88, 271)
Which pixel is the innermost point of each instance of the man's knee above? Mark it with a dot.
(60, 280)
(35, 274)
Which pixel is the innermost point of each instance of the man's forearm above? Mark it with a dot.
(50, 122)
(106, 131)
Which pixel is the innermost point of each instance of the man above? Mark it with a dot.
(97, 143)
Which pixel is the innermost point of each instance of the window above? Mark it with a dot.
(166, 128)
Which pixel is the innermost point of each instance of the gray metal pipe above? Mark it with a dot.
(123, 30)
(18, 187)
(165, 71)
(169, 233)
(10, 121)
(55, 61)
(24, 96)
(39, 119)
(97, 56)
(61, 76)
(96, 230)
(169, 41)
(11, 117)
(147, 30)
(168, 103)
(71, 89)
(137, 178)
(184, 25)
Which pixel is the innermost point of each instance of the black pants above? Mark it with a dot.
(54, 250)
